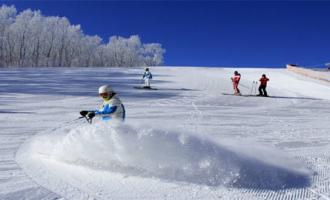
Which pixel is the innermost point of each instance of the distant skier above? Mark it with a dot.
(147, 76)
(235, 79)
(112, 107)
(263, 84)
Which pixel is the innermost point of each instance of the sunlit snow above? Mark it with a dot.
(185, 140)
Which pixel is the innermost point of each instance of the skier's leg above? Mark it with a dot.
(265, 92)
(148, 82)
(235, 88)
(260, 91)
(238, 92)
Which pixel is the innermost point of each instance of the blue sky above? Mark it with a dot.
(211, 33)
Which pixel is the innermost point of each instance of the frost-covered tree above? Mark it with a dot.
(7, 17)
(31, 39)
(124, 51)
(152, 54)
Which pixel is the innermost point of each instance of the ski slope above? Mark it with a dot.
(185, 140)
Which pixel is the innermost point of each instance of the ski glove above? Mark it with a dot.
(83, 113)
(90, 115)
(87, 114)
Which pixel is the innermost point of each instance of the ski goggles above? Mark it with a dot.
(104, 95)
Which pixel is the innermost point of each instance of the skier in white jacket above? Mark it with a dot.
(147, 76)
(112, 107)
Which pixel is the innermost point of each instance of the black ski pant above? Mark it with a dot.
(262, 90)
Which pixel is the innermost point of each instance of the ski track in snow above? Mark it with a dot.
(198, 144)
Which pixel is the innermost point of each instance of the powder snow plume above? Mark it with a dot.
(170, 155)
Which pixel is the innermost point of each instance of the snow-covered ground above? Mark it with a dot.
(185, 140)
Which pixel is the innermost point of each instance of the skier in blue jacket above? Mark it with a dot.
(147, 76)
(112, 107)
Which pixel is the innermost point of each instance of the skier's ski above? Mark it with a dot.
(243, 95)
(232, 94)
(144, 88)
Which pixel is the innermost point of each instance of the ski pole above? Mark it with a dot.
(89, 120)
(255, 88)
(251, 88)
(66, 123)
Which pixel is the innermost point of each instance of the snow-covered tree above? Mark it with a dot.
(31, 39)
(152, 54)
(124, 51)
(7, 17)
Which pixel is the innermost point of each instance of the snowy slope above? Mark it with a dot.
(185, 140)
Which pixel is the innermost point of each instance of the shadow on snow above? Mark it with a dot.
(76, 82)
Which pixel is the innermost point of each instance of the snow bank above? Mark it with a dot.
(170, 155)
(309, 73)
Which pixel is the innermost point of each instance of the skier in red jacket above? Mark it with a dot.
(263, 84)
(235, 79)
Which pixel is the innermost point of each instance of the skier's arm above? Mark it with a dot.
(107, 109)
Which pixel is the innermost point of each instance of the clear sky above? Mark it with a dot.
(211, 33)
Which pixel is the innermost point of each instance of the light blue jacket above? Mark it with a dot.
(147, 75)
(111, 109)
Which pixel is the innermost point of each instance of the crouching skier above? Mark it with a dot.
(112, 107)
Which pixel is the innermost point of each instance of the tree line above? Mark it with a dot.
(30, 39)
